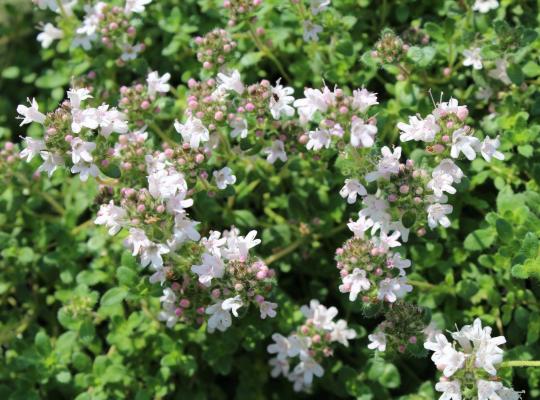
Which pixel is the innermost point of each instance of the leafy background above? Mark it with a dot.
(78, 319)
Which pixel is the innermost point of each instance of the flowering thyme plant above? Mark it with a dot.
(178, 179)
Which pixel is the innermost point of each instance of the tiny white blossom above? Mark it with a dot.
(76, 96)
(354, 283)
(317, 6)
(311, 31)
(277, 151)
(279, 367)
(391, 289)
(362, 134)
(318, 139)
(489, 147)
(193, 131)
(49, 34)
(30, 114)
(360, 226)
(51, 162)
(437, 215)
(320, 315)
(240, 127)
(485, 6)
(388, 164)
(81, 150)
(451, 390)
(168, 304)
(32, 149)
(363, 99)
(441, 182)
(211, 267)
(351, 190)
(267, 309)
(419, 129)
(220, 319)
(232, 304)
(280, 101)
(308, 368)
(280, 347)
(135, 6)
(157, 84)
(130, 52)
(473, 58)
(151, 255)
(500, 72)
(377, 341)
(112, 216)
(463, 143)
(231, 82)
(224, 177)
(487, 390)
(314, 101)
(85, 170)
(341, 333)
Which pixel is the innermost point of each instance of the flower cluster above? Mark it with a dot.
(403, 330)
(310, 344)
(214, 49)
(469, 364)
(240, 10)
(390, 48)
(311, 28)
(228, 279)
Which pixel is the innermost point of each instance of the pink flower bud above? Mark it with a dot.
(184, 303)
(250, 107)
(412, 340)
(445, 138)
(68, 138)
(199, 158)
(145, 105)
(316, 338)
(178, 312)
(141, 208)
(216, 293)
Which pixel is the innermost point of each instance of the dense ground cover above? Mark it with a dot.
(269, 199)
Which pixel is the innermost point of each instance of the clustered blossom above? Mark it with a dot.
(309, 345)
(214, 49)
(469, 364)
(112, 27)
(311, 28)
(390, 48)
(240, 10)
(403, 330)
(75, 135)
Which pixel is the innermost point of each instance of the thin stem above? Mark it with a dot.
(521, 364)
(284, 252)
(160, 133)
(268, 53)
(46, 196)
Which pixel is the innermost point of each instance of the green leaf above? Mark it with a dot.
(43, 344)
(515, 74)
(479, 239)
(114, 296)
(504, 230)
(11, 72)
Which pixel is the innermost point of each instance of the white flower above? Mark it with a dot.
(299, 345)
(391, 289)
(463, 143)
(84, 119)
(137, 241)
(238, 246)
(362, 134)
(341, 333)
(437, 215)
(360, 226)
(281, 346)
(489, 147)
(351, 190)
(388, 164)
(440, 183)
(320, 315)
(51, 162)
(375, 209)
(308, 368)
(214, 242)
(111, 120)
(220, 318)
(81, 150)
(230, 83)
(211, 267)
(165, 184)
(396, 261)
(184, 229)
(309, 105)
(363, 99)
(485, 6)
(267, 309)
(130, 52)
(112, 216)
(355, 283)
(419, 129)
(500, 72)
(135, 6)
(32, 149)
(438, 344)
(484, 93)
(377, 341)
(232, 304)
(157, 84)
(49, 34)
(85, 170)
(280, 101)
(509, 394)
(240, 127)
(451, 360)
(487, 390)
(318, 139)
(311, 31)
(193, 131)
(317, 6)
(76, 96)
(447, 166)
(224, 177)
(473, 57)
(279, 367)
(451, 390)
(151, 254)
(277, 151)
(30, 114)
(385, 241)
(168, 303)
(451, 107)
